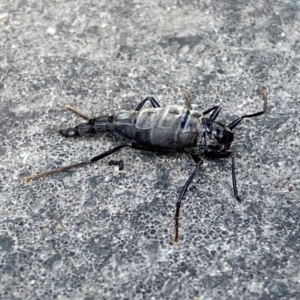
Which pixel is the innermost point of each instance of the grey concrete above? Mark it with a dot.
(101, 233)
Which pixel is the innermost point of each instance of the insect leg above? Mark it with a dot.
(77, 165)
(188, 100)
(195, 158)
(151, 99)
(109, 152)
(178, 204)
(77, 112)
(236, 122)
(224, 154)
(215, 111)
(236, 195)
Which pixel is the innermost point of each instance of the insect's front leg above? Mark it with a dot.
(225, 154)
(236, 122)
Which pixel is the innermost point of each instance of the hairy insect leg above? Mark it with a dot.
(178, 203)
(77, 165)
(151, 99)
(77, 112)
(236, 122)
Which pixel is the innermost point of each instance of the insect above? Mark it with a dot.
(166, 129)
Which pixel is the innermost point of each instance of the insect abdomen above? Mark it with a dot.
(99, 124)
(170, 127)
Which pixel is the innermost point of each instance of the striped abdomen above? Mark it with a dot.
(170, 127)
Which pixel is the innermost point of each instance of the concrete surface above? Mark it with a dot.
(101, 233)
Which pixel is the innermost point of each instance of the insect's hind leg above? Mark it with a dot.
(151, 99)
(77, 112)
(77, 165)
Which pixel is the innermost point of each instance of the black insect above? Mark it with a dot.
(166, 129)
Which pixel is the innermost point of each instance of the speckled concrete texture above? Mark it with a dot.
(101, 233)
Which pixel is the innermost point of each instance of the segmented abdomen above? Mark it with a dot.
(170, 127)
